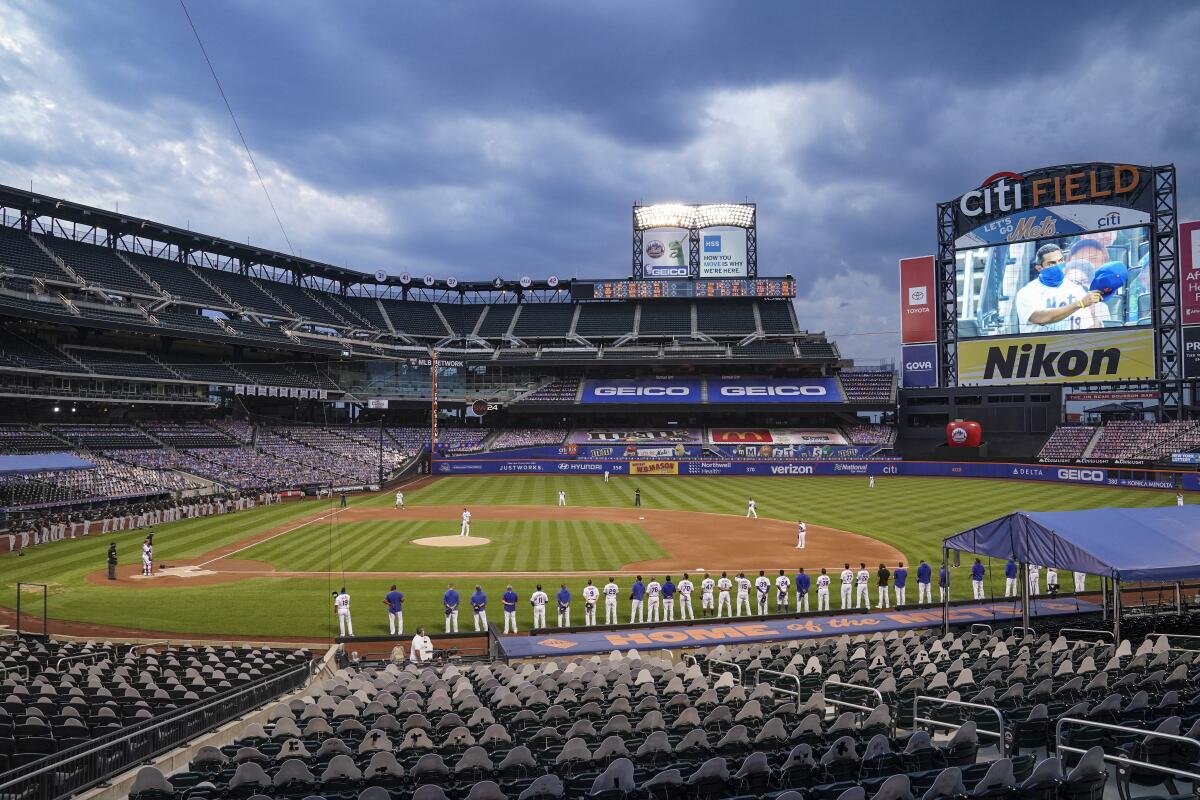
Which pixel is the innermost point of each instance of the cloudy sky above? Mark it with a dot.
(485, 138)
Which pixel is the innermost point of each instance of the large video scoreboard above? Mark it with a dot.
(683, 289)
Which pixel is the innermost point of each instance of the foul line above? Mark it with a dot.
(269, 538)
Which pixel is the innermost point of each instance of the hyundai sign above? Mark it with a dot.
(920, 366)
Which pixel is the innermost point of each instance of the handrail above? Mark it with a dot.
(5, 670)
(1109, 634)
(1170, 636)
(1016, 628)
(1060, 747)
(990, 629)
(774, 688)
(1000, 745)
(98, 654)
(132, 648)
(725, 664)
(853, 687)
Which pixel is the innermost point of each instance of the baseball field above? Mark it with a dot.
(270, 572)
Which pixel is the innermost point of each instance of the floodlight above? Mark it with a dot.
(681, 215)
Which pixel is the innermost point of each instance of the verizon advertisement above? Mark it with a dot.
(1189, 273)
(918, 321)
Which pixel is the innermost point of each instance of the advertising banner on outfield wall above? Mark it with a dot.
(767, 390)
(1189, 273)
(1081, 357)
(920, 366)
(723, 253)
(918, 290)
(665, 253)
(653, 467)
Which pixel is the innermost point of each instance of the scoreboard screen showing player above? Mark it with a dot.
(1008, 289)
(685, 289)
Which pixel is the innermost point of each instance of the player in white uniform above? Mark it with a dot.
(1179, 499)
(801, 532)
(562, 497)
(762, 585)
(1049, 302)
(783, 591)
(465, 529)
(148, 557)
(707, 587)
(606, 476)
(1080, 581)
(341, 604)
(610, 602)
(863, 579)
(724, 607)
(751, 511)
(653, 596)
(847, 586)
(1035, 580)
(590, 597)
(871, 482)
(743, 593)
(1051, 580)
(399, 500)
(686, 587)
(823, 582)
(538, 600)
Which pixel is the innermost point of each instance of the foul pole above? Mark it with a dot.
(433, 380)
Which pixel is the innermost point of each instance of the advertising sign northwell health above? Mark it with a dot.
(1108, 355)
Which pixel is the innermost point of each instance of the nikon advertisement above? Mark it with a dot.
(1103, 356)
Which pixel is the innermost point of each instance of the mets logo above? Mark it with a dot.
(655, 248)
(557, 644)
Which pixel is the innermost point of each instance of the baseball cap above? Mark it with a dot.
(1109, 277)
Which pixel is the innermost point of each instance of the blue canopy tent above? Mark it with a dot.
(1118, 544)
(42, 462)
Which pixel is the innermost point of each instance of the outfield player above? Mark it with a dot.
(862, 578)
(1010, 578)
(1080, 581)
(823, 581)
(636, 593)
(686, 587)
(590, 597)
(562, 497)
(465, 528)
(610, 602)
(1179, 499)
(801, 532)
(450, 600)
(847, 586)
(479, 606)
(394, 600)
(977, 573)
(668, 599)
(538, 600)
(606, 476)
(762, 585)
(564, 606)
(883, 577)
(341, 604)
(783, 592)
(943, 582)
(1035, 580)
(751, 511)
(871, 482)
(803, 583)
(510, 609)
(724, 607)
(900, 581)
(653, 596)
(924, 589)
(743, 593)
(399, 500)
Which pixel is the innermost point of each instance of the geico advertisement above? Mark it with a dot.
(1105, 355)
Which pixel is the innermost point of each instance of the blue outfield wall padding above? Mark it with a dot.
(732, 630)
(42, 462)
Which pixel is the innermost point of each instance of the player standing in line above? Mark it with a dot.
(668, 595)
(450, 600)
(1035, 580)
(900, 580)
(636, 593)
(924, 588)
(883, 576)
(943, 582)
(538, 600)
(1080, 581)
(562, 497)
(724, 607)
(1051, 581)
(686, 587)
(803, 583)
(590, 595)
(783, 592)
(564, 606)
(399, 500)
(1010, 578)
(394, 600)
(465, 528)
(762, 584)
(977, 573)
(148, 555)
(801, 532)
(751, 511)
(510, 609)
(823, 581)
(653, 596)
(862, 598)
(479, 606)
(341, 604)
(610, 602)
(847, 586)
(743, 593)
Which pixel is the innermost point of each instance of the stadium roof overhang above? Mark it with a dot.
(41, 462)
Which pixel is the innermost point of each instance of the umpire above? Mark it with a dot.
(112, 561)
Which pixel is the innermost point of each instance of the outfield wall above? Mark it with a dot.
(1089, 475)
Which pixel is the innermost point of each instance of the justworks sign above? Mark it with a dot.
(1100, 356)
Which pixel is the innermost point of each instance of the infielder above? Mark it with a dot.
(148, 556)
(743, 593)
(538, 600)
(564, 606)
(636, 593)
(610, 602)
(394, 600)
(783, 592)
(862, 598)
(801, 532)
(465, 528)
(1010, 578)
(399, 500)
(341, 604)
(686, 587)
(847, 586)
(510, 609)
(1179, 499)
(823, 581)
(924, 587)
(562, 497)
(668, 595)
(450, 600)
(750, 509)
(590, 595)
(479, 606)
(724, 607)
(653, 596)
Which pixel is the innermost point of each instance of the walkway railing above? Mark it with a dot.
(1001, 745)
(1059, 747)
(775, 688)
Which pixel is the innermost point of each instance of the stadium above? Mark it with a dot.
(278, 528)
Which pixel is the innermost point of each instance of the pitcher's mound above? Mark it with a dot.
(452, 541)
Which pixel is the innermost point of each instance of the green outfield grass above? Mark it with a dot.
(913, 514)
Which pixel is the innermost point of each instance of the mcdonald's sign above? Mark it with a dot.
(741, 435)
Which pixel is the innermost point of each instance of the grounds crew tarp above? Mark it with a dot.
(41, 462)
(1127, 544)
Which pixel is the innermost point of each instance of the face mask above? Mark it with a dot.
(1051, 276)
